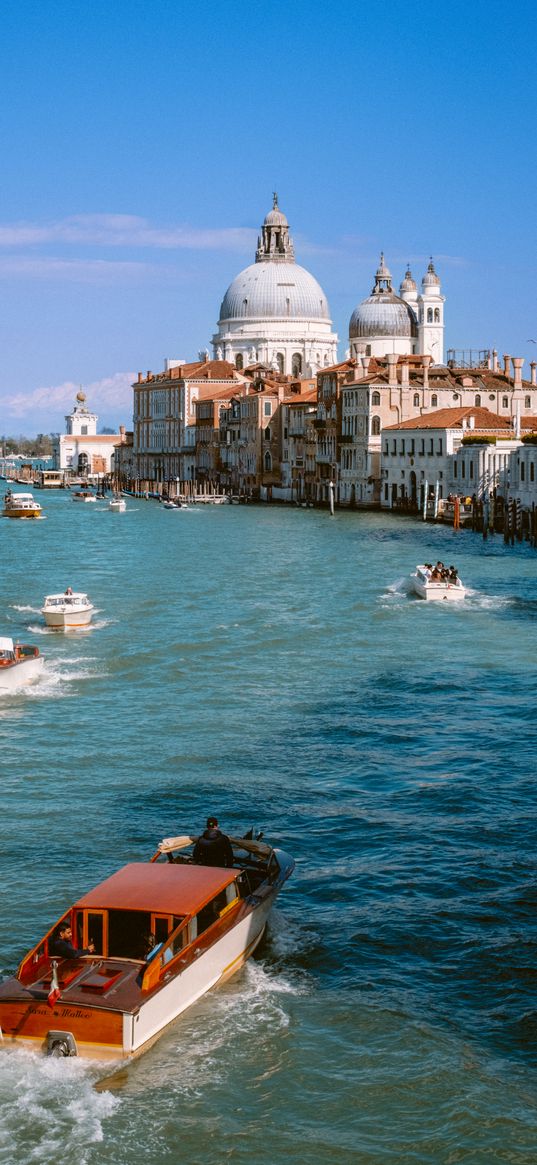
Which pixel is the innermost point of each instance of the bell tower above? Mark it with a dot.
(431, 316)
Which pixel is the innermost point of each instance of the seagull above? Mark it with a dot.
(531, 341)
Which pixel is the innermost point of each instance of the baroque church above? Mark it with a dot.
(275, 313)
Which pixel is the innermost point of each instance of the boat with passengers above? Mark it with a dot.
(150, 940)
(69, 609)
(21, 505)
(431, 583)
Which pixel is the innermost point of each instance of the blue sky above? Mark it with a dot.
(141, 142)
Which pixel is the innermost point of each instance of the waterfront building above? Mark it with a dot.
(81, 450)
(275, 312)
(410, 323)
(164, 448)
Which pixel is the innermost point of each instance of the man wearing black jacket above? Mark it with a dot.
(213, 848)
(63, 944)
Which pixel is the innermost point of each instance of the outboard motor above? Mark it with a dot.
(61, 1044)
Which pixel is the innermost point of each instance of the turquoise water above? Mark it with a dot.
(268, 665)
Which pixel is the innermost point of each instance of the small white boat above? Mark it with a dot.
(83, 495)
(173, 505)
(67, 610)
(19, 664)
(427, 588)
(21, 505)
(117, 504)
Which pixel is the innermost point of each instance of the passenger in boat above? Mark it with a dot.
(63, 944)
(453, 576)
(213, 848)
(68, 590)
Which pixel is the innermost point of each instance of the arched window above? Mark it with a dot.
(238, 361)
(416, 400)
(437, 315)
(477, 401)
(505, 402)
(296, 364)
(434, 401)
(429, 315)
(527, 402)
(268, 461)
(375, 398)
(375, 426)
(280, 361)
(368, 349)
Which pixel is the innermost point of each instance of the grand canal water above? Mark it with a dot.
(267, 665)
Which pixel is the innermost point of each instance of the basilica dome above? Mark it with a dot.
(274, 290)
(383, 313)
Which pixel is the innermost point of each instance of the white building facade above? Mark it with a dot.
(275, 313)
(81, 450)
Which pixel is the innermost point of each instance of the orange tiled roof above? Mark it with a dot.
(484, 420)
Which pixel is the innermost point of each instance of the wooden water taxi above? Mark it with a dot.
(83, 495)
(19, 664)
(161, 933)
(21, 505)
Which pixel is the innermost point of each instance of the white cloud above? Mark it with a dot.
(73, 270)
(111, 395)
(123, 230)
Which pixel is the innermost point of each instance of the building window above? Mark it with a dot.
(83, 430)
(296, 364)
(238, 361)
(471, 469)
(522, 471)
(440, 446)
(505, 402)
(368, 349)
(463, 469)
(280, 361)
(434, 401)
(429, 315)
(375, 426)
(268, 462)
(477, 401)
(402, 446)
(416, 400)
(437, 315)
(532, 471)
(454, 469)
(375, 398)
(527, 402)
(268, 408)
(267, 433)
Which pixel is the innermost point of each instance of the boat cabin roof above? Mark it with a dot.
(16, 497)
(165, 888)
(6, 644)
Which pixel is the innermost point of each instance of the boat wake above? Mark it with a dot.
(51, 1107)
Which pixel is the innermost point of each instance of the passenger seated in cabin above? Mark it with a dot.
(69, 591)
(213, 848)
(62, 944)
(453, 575)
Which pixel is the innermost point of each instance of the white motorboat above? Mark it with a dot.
(21, 505)
(70, 609)
(117, 504)
(432, 589)
(19, 664)
(150, 940)
(83, 495)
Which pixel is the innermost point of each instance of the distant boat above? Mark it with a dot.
(117, 504)
(21, 505)
(431, 589)
(83, 495)
(19, 664)
(67, 610)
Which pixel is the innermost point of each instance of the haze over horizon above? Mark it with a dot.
(142, 145)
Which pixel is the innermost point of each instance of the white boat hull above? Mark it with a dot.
(437, 592)
(68, 618)
(117, 507)
(17, 675)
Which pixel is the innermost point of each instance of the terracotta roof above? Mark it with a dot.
(453, 418)
(158, 887)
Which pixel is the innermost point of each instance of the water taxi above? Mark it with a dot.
(70, 609)
(161, 934)
(19, 664)
(428, 588)
(83, 495)
(117, 504)
(21, 505)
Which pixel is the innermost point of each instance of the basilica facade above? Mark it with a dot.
(409, 324)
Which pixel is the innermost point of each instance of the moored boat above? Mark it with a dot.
(70, 609)
(21, 505)
(427, 587)
(150, 940)
(19, 664)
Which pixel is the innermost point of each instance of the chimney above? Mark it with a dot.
(471, 422)
(533, 367)
(494, 360)
(506, 363)
(517, 371)
(140, 377)
(149, 376)
(122, 430)
(426, 361)
(365, 364)
(404, 374)
(391, 358)
(358, 370)
(516, 421)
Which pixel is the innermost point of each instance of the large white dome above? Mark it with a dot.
(274, 291)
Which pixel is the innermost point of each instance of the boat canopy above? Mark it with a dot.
(17, 497)
(6, 644)
(160, 888)
(75, 596)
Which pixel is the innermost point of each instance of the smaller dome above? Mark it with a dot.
(382, 315)
(430, 279)
(408, 283)
(275, 217)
